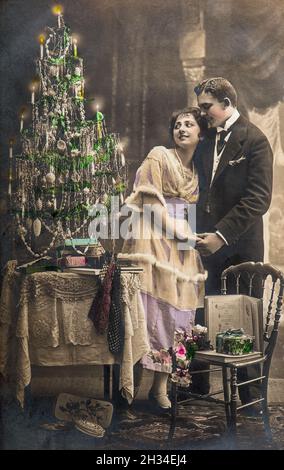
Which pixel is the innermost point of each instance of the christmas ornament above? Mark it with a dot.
(67, 163)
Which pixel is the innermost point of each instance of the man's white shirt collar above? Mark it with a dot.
(232, 119)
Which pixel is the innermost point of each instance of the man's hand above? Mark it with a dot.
(208, 243)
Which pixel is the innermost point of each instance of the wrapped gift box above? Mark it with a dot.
(234, 342)
(72, 261)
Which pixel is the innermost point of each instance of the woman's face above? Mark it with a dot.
(186, 131)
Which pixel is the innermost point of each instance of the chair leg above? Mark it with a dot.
(226, 395)
(265, 413)
(233, 404)
(173, 411)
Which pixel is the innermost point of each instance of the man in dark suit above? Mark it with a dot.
(234, 163)
(235, 173)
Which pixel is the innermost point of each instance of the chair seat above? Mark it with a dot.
(219, 358)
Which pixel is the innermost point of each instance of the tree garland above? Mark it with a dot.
(67, 163)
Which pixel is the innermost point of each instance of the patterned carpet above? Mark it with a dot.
(199, 426)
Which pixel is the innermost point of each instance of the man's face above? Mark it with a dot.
(214, 111)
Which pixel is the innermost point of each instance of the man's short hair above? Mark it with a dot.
(219, 87)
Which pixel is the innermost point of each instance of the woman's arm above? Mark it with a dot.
(179, 230)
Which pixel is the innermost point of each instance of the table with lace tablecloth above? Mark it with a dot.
(44, 322)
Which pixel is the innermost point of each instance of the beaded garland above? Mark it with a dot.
(67, 164)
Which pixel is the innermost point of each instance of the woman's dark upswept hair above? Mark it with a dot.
(195, 112)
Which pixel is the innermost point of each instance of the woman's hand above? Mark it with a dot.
(209, 243)
(183, 232)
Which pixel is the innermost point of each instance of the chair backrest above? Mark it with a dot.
(255, 272)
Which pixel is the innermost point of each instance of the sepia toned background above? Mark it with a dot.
(141, 61)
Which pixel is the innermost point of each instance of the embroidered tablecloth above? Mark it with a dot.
(44, 322)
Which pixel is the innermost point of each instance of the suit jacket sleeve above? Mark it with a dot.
(257, 196)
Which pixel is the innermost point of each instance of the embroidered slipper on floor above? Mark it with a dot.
(72, 407)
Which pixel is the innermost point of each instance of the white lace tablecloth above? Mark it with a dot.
(44, 322)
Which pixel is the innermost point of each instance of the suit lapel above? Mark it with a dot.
(233, 147)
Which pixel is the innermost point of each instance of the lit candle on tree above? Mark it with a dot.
(99, 119)
(122, 159)
(57, 10)
(11, 143)
(75, 47)
(22, 122)
(33, 95)
(41, 41)
(23, 203)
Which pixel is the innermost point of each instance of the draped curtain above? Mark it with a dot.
(245, 44)
(257, 53)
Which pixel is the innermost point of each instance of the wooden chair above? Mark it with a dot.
(253, 273)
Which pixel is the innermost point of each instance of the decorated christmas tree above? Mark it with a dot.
(67, 163)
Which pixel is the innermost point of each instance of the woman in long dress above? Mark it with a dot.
(172, 284)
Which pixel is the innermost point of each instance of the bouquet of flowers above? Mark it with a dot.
(183, 351)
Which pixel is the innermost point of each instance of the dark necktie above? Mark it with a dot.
(221, 142)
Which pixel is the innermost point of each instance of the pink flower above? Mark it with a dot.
(181, 350)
